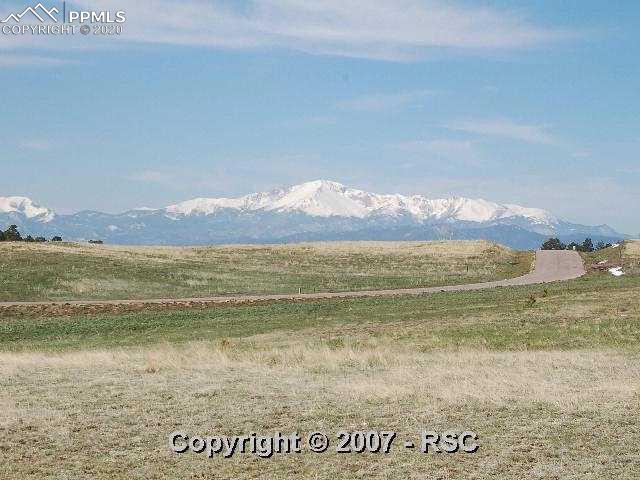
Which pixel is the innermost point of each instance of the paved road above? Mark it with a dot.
(550, 266)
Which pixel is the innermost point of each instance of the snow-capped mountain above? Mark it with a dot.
(23, 206)
(318, 210)
(323, 198)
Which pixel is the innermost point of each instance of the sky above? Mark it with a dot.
(533, 103)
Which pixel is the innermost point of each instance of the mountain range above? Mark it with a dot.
(318, 210)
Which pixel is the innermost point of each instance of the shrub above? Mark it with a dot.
(553, 244)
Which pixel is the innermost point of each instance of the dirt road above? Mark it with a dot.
(550, 266)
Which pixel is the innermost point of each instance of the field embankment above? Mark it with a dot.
(101, 272)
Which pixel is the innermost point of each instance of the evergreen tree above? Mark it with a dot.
(12, 234)
(573, 246)
(553, 244)
(587, 245)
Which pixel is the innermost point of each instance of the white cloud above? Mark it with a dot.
(505, 128)
(19, 60)
(38, 144)
(458, 152)
(386, 101)
(402, 30)
(229, 176)
(581, 154)
(152, 176)
(629, 170)
(33, 144)
(441, 146)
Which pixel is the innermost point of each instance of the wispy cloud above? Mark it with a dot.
(232, 176)
(387, 101)
(629, 170)
(402, 30)
(441, 146)
(152, 176)
(38, 144)
(536, 134)
(22, 60)
(460, 152)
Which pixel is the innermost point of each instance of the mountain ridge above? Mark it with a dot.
(317, 210)
(325, 198)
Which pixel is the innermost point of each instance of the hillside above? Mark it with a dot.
(81, 271)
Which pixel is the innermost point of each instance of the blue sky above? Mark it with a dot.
(536, 104)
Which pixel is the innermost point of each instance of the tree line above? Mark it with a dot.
(586, 246)
(12, 234)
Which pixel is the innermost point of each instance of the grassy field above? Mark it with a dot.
(547, 376)
(626, 256)
(81, 271)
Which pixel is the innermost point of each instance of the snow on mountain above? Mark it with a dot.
(208, 206)
(25, 206)
(318, 199)
(312, 211)
(322, 198)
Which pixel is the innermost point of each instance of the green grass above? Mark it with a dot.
(595, 311)
(73, 271)
(541, 382)
(546, 375)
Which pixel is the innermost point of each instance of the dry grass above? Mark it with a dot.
(374, 368)
(551, 390)
(82, 271)
(110, 412)
(631, 257)
(632, 248)
(460, 248)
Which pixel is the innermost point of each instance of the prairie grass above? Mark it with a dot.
(547, 375)
(632, 253)
(374, 365)
(81, 271)
(108, 414)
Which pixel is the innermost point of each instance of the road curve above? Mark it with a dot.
(550, 266)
